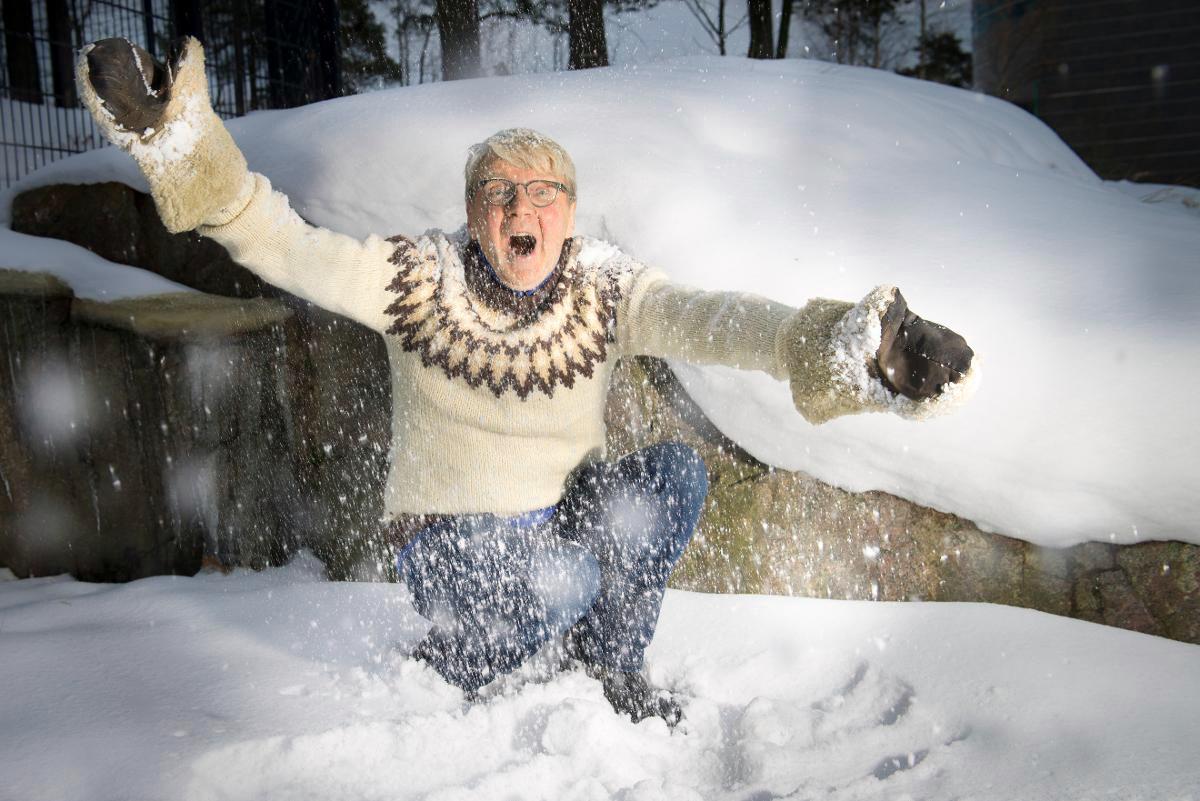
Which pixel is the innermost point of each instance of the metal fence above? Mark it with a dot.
(259, 54)
(270, 53)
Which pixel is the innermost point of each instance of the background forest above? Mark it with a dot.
(417, 41)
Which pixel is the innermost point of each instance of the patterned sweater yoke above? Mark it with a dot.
(452, 312)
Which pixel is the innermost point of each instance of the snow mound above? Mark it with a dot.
(798, 179)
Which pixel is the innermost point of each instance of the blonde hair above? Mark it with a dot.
(524, 148)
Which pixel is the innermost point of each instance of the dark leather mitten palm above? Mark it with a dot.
(917, 358)
(132, 85)
(161, 115)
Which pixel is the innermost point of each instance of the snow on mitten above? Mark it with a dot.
(162, 116)
(873, 356)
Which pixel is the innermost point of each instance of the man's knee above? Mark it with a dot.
(568, 582)
(690, 465)
(683, 473)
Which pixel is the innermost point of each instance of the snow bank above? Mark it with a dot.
(280, 685)
(86, 273)
(799, 179)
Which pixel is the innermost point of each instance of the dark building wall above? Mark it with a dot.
(1007, 47)
(1119, 80)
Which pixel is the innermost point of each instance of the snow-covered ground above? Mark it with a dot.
(799, 179)
(280, 685)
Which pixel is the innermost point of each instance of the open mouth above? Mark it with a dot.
(522, 244)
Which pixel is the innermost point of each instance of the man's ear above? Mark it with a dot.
(473, 221)
(571, 219)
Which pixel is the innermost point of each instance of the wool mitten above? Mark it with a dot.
(161, 115)
(875, 355)
(917, 358)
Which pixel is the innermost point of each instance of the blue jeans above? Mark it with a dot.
(498, 588)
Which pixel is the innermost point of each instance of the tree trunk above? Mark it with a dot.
(878, 56)
(721, 26)
(424, 53)
(458, 27)
(402, 45)
(24, 80)
(276, 95)
(761, 45)
(188, 19)
(239, 63)
(785, 22)
(589, 47)
(62, 53)
(849, 39)
(329, 49)
(921, 60)
(252, 61)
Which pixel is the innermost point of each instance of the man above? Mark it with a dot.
(511, 529)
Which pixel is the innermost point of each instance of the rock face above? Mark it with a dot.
(239, 428)
(319, 453)
(134, 447)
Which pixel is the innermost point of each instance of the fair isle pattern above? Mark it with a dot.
(436, 316)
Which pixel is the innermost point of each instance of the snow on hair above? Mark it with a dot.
(520, 147)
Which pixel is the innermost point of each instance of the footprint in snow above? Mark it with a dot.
(868, 733)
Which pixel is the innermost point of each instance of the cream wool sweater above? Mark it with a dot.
(494, 404)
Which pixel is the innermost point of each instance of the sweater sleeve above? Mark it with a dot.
(263, 233)
(673, 321)
(825, 350)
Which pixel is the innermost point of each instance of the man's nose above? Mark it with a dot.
(520, 203)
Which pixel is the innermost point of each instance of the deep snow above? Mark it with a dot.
(799, 179)
(282, 685)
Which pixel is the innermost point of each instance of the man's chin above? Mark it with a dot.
(524, 271)
(525, 262)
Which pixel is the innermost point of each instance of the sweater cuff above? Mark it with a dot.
(227, 213)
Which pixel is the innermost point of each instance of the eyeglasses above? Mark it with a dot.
(501, 191)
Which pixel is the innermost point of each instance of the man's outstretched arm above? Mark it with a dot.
(161, 115)
(839, 358)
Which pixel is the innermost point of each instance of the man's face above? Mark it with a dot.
(521, 241)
